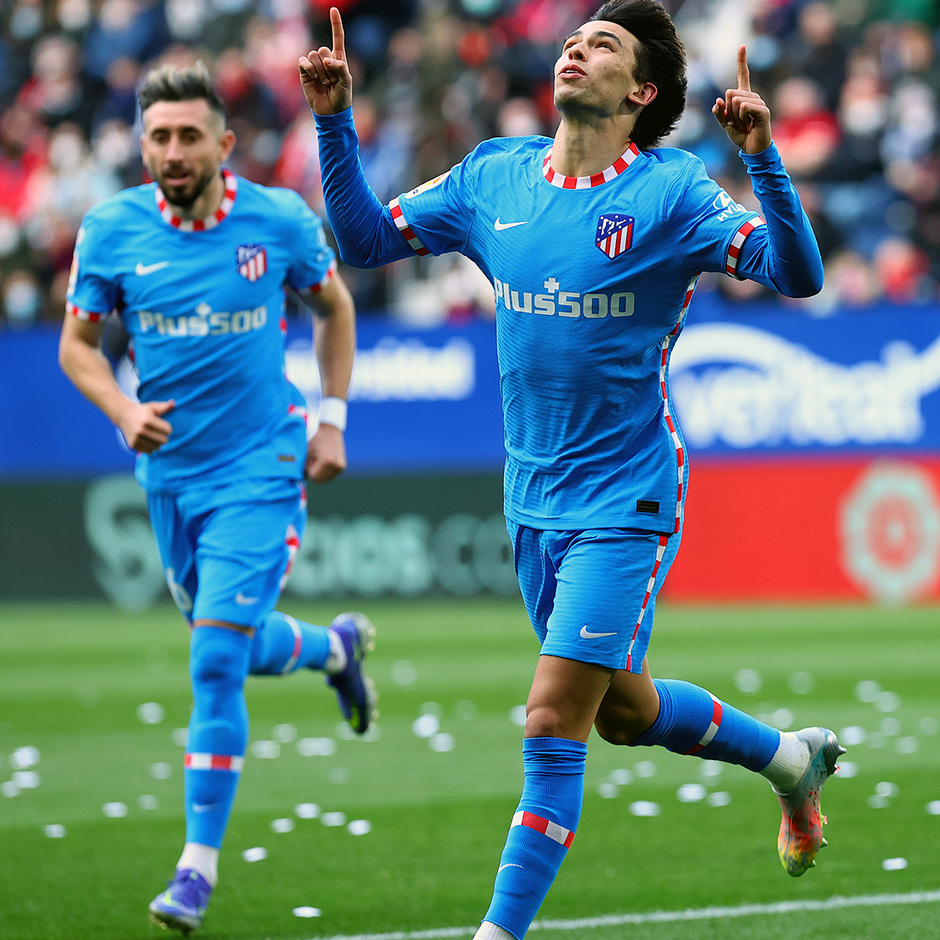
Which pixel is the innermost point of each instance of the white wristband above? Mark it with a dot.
(333, 411)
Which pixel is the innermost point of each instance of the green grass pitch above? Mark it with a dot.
(399, 834)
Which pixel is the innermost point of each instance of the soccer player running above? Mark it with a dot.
(593, 242)
(195, 266)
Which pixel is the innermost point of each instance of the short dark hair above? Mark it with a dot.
(660, 59)
(169, 83)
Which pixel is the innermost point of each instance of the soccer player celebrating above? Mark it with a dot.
(593, 242)
(195, 266)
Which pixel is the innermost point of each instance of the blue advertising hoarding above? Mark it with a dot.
(427, 400)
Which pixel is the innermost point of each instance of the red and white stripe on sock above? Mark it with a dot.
(558, 833)
(712, 729)
(214, 762)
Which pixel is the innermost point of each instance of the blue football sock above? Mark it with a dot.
(692, 721)
(283, 644)
(218, 731)
(542, 829)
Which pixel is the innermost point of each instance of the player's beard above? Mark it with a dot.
(184, 195)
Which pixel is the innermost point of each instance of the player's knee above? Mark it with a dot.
(217, 659)
(623, 726)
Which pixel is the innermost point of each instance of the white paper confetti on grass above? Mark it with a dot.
(27, 779)
(894, 864)
(645, 769)
(718, 798)
(284, 734)
(852, 736)
(316, 747)
(9, 789)
(867, 690)
(644, 808)
(147, 801)
(888, 702)
(160, 771)
(54, 831)
(801, 683)
(621, 777)
(150, 713)
(442, 742)
(180, 736)
(404, 672)
(333, 819)
(306, 911)
(928, 725)
(748, 681)
(933, 808)
(691, 793)
(907, 745)
(256, 854)
(425, 725)
(115, 810)
(608, 791)
(282, 825)
(24, 757)
(265, 750)
(359, 827)
(307, 811)
(517, 716)
(847, 769)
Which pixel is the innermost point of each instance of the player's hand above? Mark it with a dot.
(743, 113)
(326, 454)
(144, 427)
(324, 74)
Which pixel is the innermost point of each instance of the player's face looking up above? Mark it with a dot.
(595, 73)
(184, 145)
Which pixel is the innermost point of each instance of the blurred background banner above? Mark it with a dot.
(814, 449)
(813, 426)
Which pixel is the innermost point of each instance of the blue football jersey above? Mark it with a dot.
(593, 277)
(203, 302)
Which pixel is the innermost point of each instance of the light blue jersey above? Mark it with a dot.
(593, 277)
(203, 302)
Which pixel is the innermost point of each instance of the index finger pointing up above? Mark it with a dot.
(339, 37)
(744, 76)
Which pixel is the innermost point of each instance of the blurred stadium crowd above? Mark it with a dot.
(853, 86)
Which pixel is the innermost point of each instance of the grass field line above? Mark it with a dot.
(659, 917)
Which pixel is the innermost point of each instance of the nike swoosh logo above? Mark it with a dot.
(499, 226)
(245, 601)
(588, 635)
(204, 807)
(507, 865)
(142, 270)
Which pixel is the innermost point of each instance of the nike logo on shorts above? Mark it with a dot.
(245, 601)
(588, 635)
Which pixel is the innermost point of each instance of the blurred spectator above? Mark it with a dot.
(854, 87)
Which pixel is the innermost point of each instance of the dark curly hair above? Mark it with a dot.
(168, 83)
(660, 59)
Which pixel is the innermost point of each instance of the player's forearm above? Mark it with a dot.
(335, 345)
(365, 237)
(785, 255)
(91, 373)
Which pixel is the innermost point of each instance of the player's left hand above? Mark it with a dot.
(743, 113)
(326, 454)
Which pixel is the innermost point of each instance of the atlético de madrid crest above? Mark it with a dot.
(614, 233)
(251, 261)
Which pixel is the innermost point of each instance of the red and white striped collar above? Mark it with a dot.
(200, 225)
(586, 182)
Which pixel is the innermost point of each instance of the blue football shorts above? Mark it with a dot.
(227, 550)
(591, 594)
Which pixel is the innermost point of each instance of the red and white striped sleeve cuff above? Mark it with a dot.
(330, 272)
(406, 229)
(737, 243)
(90, 315)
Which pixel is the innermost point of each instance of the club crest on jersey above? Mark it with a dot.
(614, 233)
(251, 261)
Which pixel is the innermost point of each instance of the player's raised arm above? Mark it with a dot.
(324, 73)
(743, 113)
